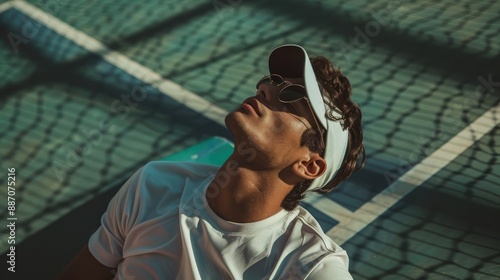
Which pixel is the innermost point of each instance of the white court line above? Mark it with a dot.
(5, 6)
(351, 224)
(327, 206)
(126, 64)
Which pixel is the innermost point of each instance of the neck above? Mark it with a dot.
(241, 194)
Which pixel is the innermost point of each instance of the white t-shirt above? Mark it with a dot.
(160, 226)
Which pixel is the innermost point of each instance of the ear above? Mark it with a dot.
(310, 168)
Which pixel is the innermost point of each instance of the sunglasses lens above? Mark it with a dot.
(291, 94)
(273, 79)
(277, 80)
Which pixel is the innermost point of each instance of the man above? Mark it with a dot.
(301, 132)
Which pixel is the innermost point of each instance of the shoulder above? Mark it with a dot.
(311, 229)
(320, 257)
(160, 184)
(331, 266)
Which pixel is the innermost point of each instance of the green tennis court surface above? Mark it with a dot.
(90, 91)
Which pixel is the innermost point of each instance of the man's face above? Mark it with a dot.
(272, 128)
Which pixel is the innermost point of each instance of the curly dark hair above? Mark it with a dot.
(338, 87)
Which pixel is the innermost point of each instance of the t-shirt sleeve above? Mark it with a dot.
(333, 266)
(106, 244)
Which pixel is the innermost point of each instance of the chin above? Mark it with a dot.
(243, 131)
(231, 122)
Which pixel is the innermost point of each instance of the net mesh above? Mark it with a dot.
(421, 71)
(443, 231)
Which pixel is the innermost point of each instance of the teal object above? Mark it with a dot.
(214, 150)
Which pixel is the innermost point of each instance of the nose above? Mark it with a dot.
(268, 94)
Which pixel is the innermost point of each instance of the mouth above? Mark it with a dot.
(252, 105)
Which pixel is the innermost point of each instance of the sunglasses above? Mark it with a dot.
(289, 94)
